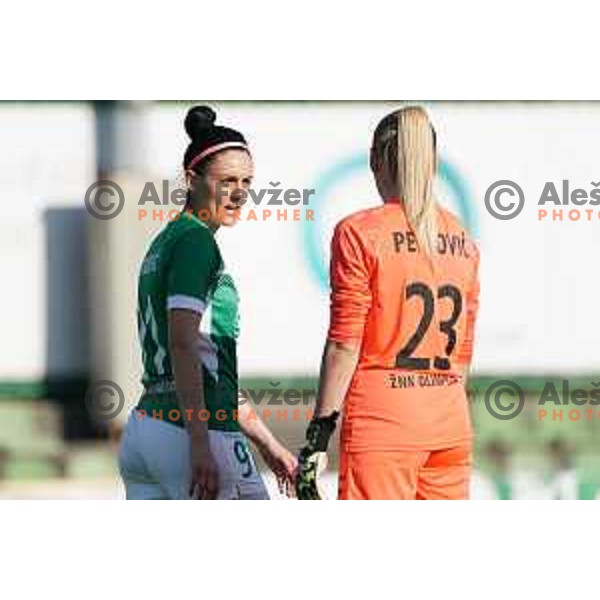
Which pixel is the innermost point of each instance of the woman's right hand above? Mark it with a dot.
(205, 475)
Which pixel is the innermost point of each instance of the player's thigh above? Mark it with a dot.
(137, 479)
(379, 475)
(155, 462)
(253, 488)
(136, 490)
(154, 459)
(446, 474)
(239, 478)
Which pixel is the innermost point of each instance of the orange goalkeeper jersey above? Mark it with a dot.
(413, 316)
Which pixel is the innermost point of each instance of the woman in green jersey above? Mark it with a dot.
(187, 436)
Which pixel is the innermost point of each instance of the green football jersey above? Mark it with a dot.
(183, 268)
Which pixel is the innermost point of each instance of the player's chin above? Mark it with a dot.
(229, 217)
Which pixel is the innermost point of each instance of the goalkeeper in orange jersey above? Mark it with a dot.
(404, 299)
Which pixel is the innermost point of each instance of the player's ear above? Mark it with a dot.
(190, 177)
(196, 183)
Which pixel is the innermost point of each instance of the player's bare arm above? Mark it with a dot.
(278, 458)
(187, 371)
(337, 368)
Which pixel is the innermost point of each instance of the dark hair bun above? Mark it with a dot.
(198, 120)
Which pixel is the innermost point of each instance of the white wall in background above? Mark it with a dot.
(539, 287)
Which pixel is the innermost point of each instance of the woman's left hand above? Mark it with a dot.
(283, 464)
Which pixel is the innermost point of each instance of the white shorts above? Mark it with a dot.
(154, 462)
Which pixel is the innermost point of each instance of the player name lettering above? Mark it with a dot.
(451, 244)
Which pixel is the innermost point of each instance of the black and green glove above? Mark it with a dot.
(312, 459)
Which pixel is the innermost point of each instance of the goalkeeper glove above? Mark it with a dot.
(312, 460)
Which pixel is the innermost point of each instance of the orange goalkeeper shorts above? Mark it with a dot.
(410, 475)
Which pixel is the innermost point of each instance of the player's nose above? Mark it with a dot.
(238, 196)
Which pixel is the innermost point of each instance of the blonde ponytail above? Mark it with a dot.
(416, 167)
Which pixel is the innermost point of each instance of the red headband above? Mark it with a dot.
(213, 149)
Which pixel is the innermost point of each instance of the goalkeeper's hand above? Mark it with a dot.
(312, 460)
